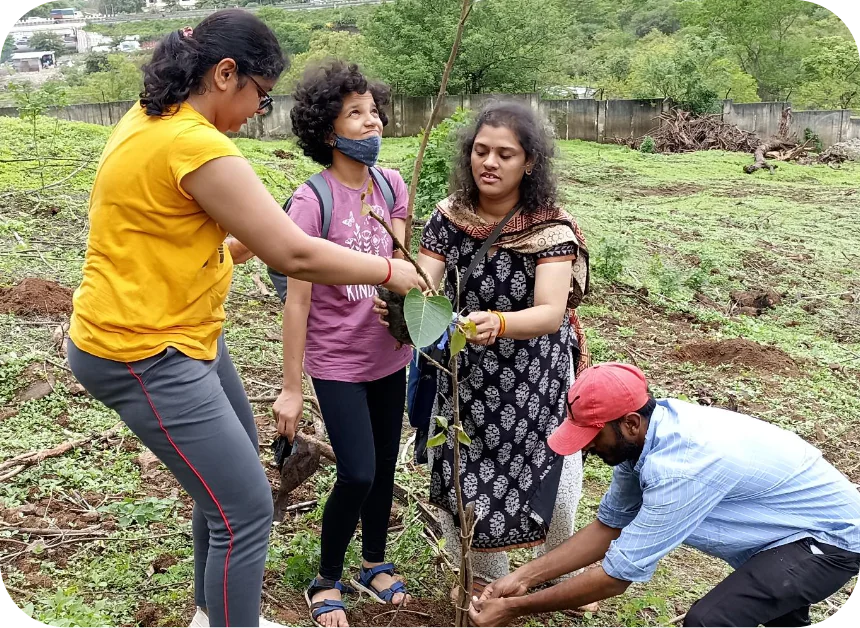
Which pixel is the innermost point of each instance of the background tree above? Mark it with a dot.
(117, 7)
(293, 36)
(508, 45)
(120, 80)
(512, 46)
(327, 44)
(830, 75)
(214, 4)
(692, 71)
(96, 62)
(763, 35)
(641, 18)
(8, 48)
(48, 40)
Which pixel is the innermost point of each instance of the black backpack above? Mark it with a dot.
(321, 189)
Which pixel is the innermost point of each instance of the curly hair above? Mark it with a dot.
(537, 190)
(180, 62)
(318, 100)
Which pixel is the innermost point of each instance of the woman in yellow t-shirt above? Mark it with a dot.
(146, 329)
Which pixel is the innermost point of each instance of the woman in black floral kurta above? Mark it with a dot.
(515, 372)
(511, 396)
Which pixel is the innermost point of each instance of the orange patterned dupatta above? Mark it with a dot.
(529, 234)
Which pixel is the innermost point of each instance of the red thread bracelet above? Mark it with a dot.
(388, 276)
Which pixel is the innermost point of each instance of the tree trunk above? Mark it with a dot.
(760, 162)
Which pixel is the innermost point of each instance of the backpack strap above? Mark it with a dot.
(382, 183)
(320, 187)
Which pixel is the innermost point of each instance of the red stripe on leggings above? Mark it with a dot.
(199, 477)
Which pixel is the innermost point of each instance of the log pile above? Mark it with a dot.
(839, 153)
(683, 132)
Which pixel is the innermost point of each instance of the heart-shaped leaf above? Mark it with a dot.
(442, 422)
(437, 440)
(463, 437)
(458, 342)
(427, 318)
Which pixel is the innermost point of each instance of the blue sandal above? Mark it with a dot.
(366, 576)
(325, 606)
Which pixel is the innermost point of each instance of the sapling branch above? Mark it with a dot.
(465, 9)
(436, 364)
(399, 246)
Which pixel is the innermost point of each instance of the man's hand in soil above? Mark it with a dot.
(288, 409)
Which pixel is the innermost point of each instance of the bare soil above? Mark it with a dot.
(35, 296)
(741, 352)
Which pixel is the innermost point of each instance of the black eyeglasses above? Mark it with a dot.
(265, 100)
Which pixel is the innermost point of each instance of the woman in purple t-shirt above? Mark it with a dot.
(358, 372)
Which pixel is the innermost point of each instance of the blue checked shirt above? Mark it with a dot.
(724, 483)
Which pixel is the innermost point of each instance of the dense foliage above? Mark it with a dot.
(696, 52)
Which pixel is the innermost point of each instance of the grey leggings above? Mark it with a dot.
(194, 415)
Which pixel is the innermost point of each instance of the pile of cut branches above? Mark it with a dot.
(683, 132)
(839, 153)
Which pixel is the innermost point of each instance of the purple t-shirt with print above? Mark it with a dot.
(345, 341)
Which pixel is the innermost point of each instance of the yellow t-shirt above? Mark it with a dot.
(156, 272)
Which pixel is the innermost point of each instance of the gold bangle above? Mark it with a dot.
(502, 324)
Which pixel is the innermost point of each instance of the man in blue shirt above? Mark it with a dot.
(732, 486)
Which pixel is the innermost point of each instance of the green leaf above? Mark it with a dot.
(463, 437)
(469, 327)
(437, 440)
(458, 342)
(442, 422)
(427, 318)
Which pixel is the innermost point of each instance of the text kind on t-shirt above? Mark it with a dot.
(345, 341)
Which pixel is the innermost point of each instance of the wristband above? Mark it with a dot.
(388, 276)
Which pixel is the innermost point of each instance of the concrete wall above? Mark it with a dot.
(585, 119)
(830, 126)
(761, 118)
(854, 129)
(629, 118)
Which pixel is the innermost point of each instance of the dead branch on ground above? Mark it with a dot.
(14, 466)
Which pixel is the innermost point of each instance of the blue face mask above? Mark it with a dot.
(364, 151)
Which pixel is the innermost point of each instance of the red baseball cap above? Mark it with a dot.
(601, 394)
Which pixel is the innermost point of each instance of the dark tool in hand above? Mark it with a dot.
(283, 449)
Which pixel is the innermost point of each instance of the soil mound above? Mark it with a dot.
(36, 296)
(755, 302)
(739, 351)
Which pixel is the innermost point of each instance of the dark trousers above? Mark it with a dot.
(194, 415)
(776, 587)
(364, 422)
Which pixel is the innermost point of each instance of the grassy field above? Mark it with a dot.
(671, 238)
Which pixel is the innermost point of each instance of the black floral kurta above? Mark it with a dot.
(511, 398)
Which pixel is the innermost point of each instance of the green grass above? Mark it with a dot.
(660, 230)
